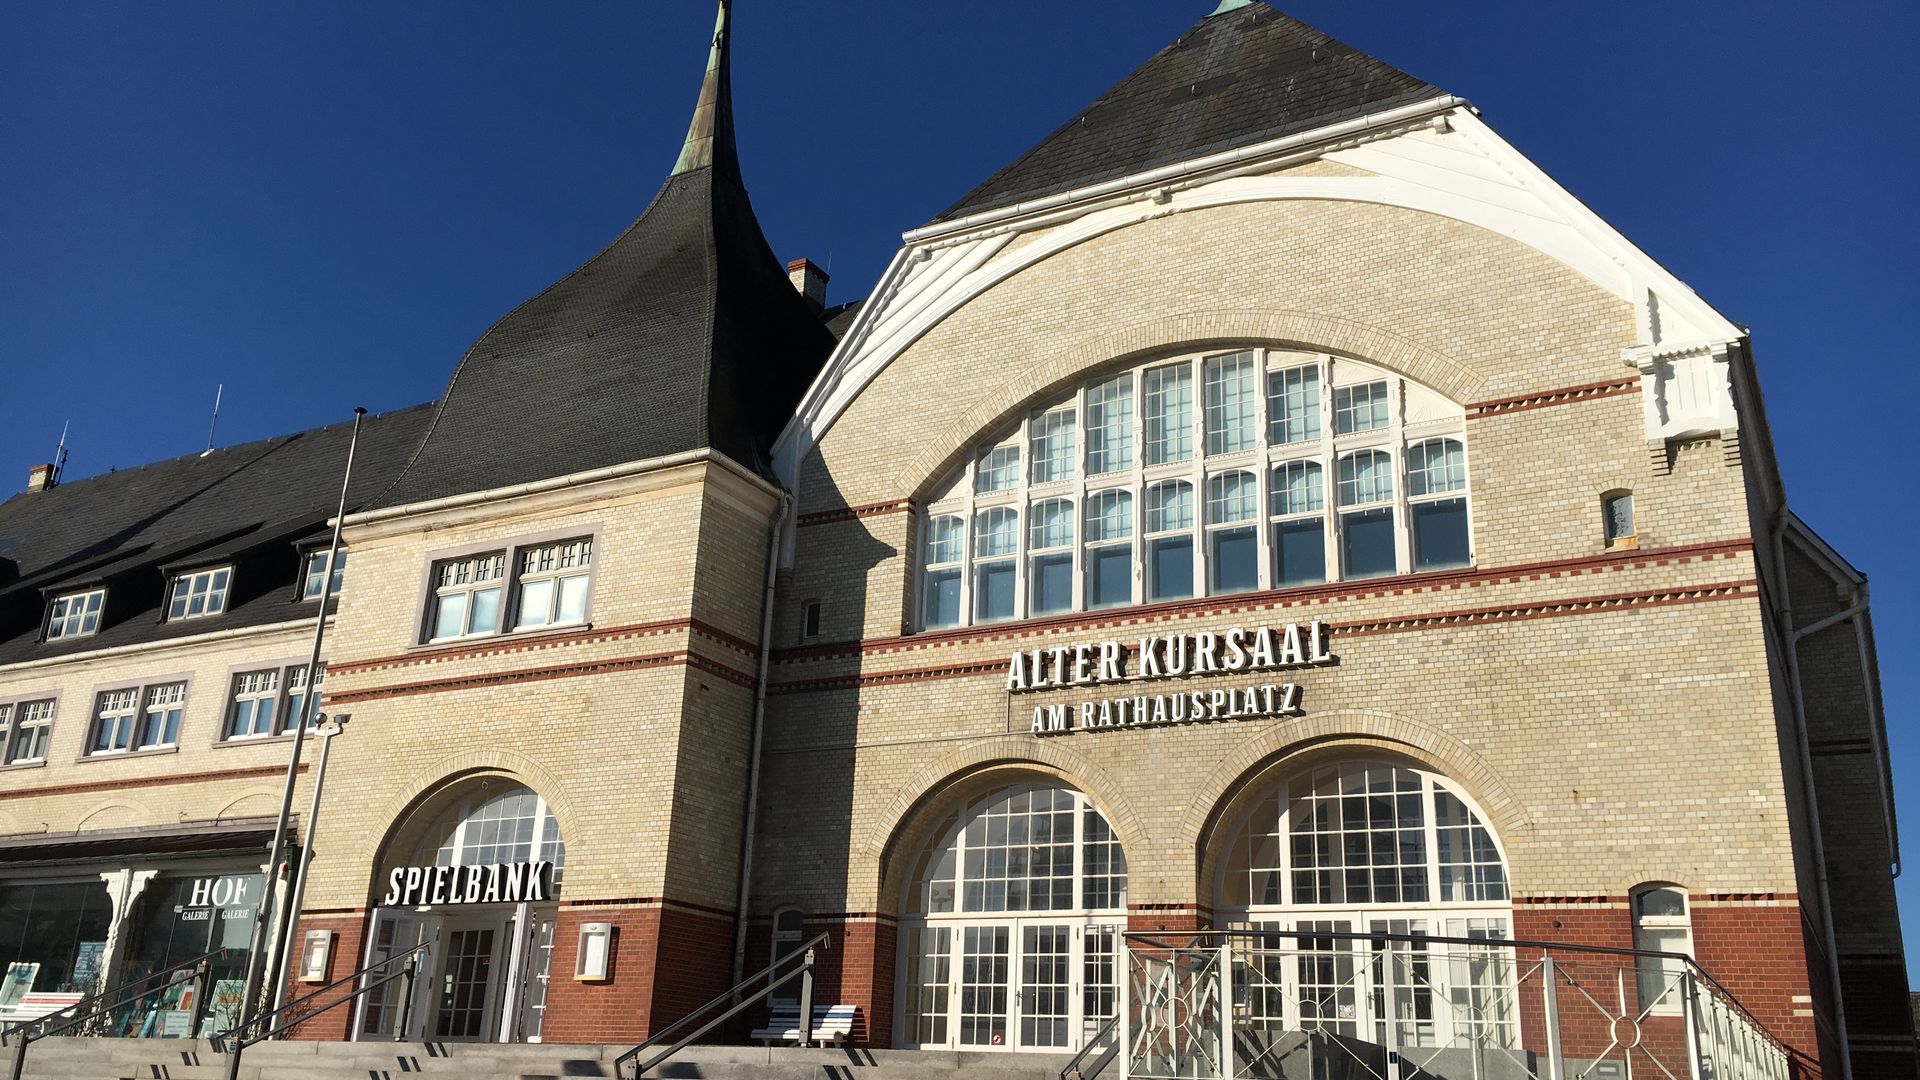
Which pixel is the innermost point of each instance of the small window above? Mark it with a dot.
(1109, 549)
(997, 470)
(296, 683)
(1169, 413)
(1360, 408)
(945, 544)
(996, 538)
(1050, 567)
(1293, 404)
(113, 721)
(1616, 509)
(32, 723)
(200, 593)
(1231, 404)
(810, 621)
(552, 587)
(1661, 924)
(466, 596)
(1169, 540)
(317, 573)
(160, 720)
(75, 614)
(1233, 544)
(256, 701)
(1051, 446)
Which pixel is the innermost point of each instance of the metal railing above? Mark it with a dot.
(263, 1026)
(1093, 1058)
(1272, 1004)
(92, 1014)
(801, 955)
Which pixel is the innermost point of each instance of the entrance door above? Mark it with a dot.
(466, 994)
(394, 933)
(1016, 984)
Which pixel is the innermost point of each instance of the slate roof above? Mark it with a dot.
(251, 505)
(683, 333)
(1234, 79)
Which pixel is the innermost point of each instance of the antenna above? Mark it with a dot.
(60, 454)
(218, 389)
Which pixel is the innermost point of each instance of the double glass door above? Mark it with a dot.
(1014, 984)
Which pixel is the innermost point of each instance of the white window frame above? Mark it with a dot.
(314, 572)
(209, 585)
(487, 570)
(1648, 967)
(23, 719)
(1316, 375)
(565, 561)
(75, 614)
(119, 707)
(157, 702)
(258, 685)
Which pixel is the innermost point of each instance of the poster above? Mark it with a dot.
(223, 1007)
(19, 980)
(87, 960)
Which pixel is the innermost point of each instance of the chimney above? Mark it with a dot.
(810, 280)
(41, 477)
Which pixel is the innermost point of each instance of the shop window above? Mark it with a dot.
(200, 593)
(75, 615)
(1616, 511)
(1661, 923)
(25, 727)
(53, 935)
(1157, 506)
(318, 575)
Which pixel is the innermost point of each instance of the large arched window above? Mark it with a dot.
(1195, 446)
(1367, 848)
(1011, 919)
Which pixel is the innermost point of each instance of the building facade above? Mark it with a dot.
(1269, 503)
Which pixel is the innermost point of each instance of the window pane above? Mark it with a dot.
(1052, 449)
(1439, 534)
(1051, 524)
(1233, 496)
(996, 533)
(1110, 426)
(1299, 552)
(1367, 543)
(1230, 403)
(993, 591)
(1662, 902)
(536, 602)
(1110, 576)
(1169, 506)
(1170, 574)
(1435, 467)
(1169, 413)
(449, 615)
(1051, 581)
(1109, 516)
(1293, 405)
(1366, 476)
(573, 598)
(944, 537)
(486, 612)
(1297, 488)
(942, 605)
(1234, 561)
(998, 469)
(1359, 408)
(1619, 514)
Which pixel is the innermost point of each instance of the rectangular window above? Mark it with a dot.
(75, 614)
(1293, 405)
(113, 721)
(317, 573)
(1299, 552)
(1110, 576)
(993, 591)
(942, 604)
(996, 537)
(1366, 543)
(1170, 573)
(256, 700)
(1169, 413)
(32, 724)
(946, 540)
(997, 470)
(1110, 426)
(1231, 421)
(160, 722)
(1440, 534)
(1051, 446)
(1051, 584)
(1359, 408)
(466, 596)
(553, 584)
(1233, 561)
(296, 682)
(201, 593)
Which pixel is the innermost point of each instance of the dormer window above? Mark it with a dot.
(317, 573)
(75, 614)
(200, 593)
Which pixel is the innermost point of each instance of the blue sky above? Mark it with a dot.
(321, 205)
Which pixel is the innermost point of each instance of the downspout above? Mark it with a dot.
(1792, 638)
(753, 747)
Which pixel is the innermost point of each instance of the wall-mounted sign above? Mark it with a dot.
(1170, 656)
(497, 883)
(232, 897)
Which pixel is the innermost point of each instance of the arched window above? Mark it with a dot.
(1018, 903)
(1372, 848)
(502, 825)
(1195, 446)
(1661, 923)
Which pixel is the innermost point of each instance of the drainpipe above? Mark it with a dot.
(753, 747)
(1792, 639)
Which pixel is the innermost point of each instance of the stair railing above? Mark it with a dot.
(804, 972)
(263, 1026)
(1093, 1058)
(91, 1008)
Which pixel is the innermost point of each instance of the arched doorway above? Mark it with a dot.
(1372, 847)
(477, 869)
(1011, 922)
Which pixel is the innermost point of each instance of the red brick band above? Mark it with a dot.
(853, 513)
(537, 642)
(1546, 399)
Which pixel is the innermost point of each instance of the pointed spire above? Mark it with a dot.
(710, 136)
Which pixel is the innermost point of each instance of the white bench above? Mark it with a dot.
(832, 1024)
(36, 1006)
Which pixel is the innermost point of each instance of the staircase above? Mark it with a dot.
(182, 1059)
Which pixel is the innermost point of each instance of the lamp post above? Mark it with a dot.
(328, 729)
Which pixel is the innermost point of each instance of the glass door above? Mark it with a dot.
(1014, 984)
(981, 995)
(535, 968)
(465, 990)
(380, 1011)
(1046, 991)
